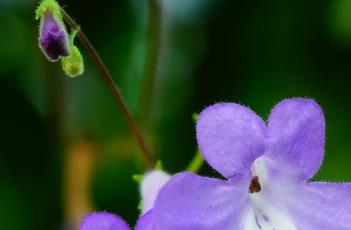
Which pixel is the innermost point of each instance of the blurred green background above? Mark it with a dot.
(64, 146)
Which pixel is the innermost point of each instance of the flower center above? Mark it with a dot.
(263, 213)
(254, 185)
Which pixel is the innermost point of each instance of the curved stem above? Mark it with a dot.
(113, 87)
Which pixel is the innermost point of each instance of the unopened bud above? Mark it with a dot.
(53, 37)
(73, 65)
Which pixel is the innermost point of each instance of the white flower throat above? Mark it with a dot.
(262, 214)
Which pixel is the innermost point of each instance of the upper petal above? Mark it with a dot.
(230, 137)
(103, 221)
(296, 129)
(192, 202)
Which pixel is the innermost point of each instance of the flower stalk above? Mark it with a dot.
(196, 163)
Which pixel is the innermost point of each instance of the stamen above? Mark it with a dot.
(254, 185)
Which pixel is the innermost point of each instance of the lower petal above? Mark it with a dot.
(265, 215)
(145, 222)
(324, 206)
(192, 202)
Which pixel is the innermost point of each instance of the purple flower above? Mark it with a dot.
(266, 167)
(103, 221)
(53, 39)
(150, 185)
(146, 221)
(109, 221)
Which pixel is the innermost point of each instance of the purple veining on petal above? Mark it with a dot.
(265, 218)
(53, 38)
(257, 223)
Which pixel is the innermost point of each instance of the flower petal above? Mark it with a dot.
(230, 137)
(150, 186)
(192, 202)
(296, 129)
(324, 206)
(53, 38)
(103, 221)
(146, 221)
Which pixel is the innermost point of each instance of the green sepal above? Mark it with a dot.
(159, 165)
(140, 206)
(195, 116)
(138, 178)
(73, 65)
(50, 5)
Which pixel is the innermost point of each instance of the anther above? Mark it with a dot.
(254, 185)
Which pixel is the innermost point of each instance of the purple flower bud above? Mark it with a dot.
(53, 38)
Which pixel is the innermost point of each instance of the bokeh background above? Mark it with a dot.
(65, 148)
